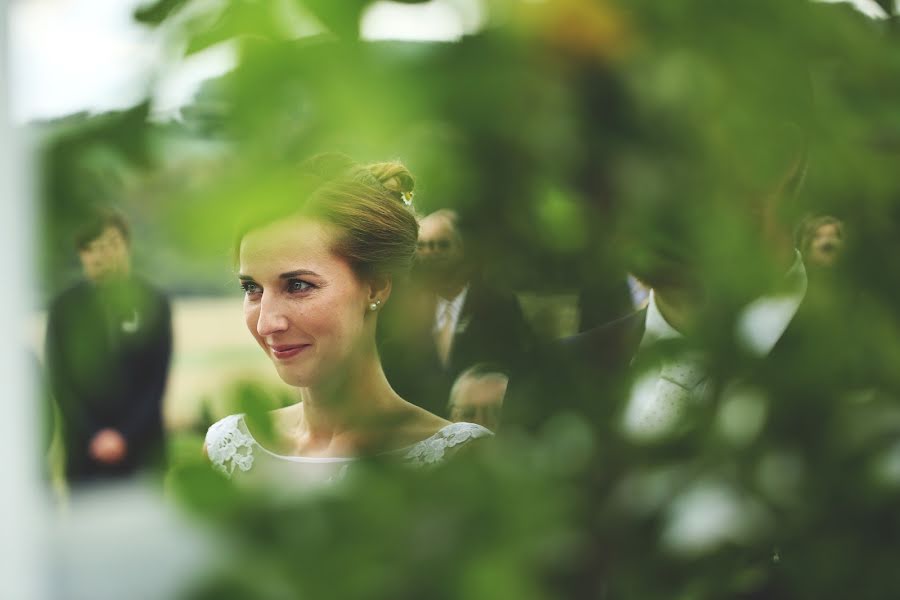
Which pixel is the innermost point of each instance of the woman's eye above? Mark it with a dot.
(298, 285)
(250, 288)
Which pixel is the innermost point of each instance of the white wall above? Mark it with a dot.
(21, 507)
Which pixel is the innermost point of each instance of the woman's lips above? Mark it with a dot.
(287, 351)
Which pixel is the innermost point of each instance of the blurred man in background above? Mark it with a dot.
(728, 321)
(821, 240)
(713, 241)
(108, 346)
(453, 318)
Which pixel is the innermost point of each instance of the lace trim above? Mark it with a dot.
(433, 450)
(229, 446)
(339, 476)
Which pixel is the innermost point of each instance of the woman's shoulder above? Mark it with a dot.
(225, 424)
(445, 443)
(229, 444)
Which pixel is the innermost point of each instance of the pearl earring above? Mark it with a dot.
(374, 306)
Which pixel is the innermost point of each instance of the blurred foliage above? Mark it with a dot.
(385, 533)
(579, 140)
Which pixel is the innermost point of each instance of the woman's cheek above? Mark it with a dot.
(251, 317)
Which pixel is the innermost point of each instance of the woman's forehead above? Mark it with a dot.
(287, 245)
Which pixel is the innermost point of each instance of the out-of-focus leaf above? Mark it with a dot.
(341, 18)
(157, 12)
(889, 6)
(239, 19)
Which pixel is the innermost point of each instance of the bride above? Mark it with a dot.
(314, 281)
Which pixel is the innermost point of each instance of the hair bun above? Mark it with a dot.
(395, 178)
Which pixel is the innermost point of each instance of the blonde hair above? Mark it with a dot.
(377, 230)
(394, 176)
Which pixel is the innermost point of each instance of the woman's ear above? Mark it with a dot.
(380, 289)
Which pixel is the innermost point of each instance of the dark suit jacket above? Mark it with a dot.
(107, 353)
(491, 329)
(603, 301)
(581, 374)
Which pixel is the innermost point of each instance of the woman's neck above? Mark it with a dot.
(349, 408)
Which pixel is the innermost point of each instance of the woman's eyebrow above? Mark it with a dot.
(288, 275)
(297, 273)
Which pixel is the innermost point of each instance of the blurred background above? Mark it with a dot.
(592, 149)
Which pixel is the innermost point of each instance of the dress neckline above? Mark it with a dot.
(337, 459)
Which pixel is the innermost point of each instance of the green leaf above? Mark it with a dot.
(341, 18)
(157, 12)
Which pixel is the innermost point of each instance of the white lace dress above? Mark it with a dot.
(233, 451)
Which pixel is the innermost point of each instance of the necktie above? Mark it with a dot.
(444, 335)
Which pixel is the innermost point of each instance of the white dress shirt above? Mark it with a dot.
(763, 322)
(660, 395)
(449, 309)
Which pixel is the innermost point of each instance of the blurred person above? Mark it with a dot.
(454, 317)
(722, 202)
(477, 396)
(315, 279)
(108, 347)
(654, 356)
(821, 240)
(728, 323)
(831, 296)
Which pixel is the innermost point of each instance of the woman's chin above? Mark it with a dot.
(309, 373)
(294, 378)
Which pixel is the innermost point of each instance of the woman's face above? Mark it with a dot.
(304, 305)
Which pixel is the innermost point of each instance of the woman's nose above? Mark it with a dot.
(271, 317)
